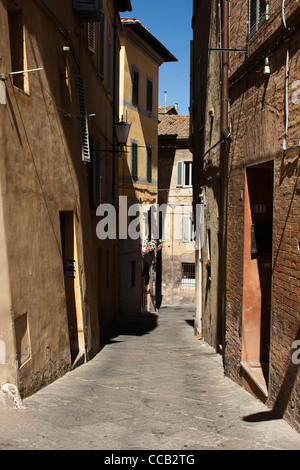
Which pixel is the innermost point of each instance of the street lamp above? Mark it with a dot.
(122, 131)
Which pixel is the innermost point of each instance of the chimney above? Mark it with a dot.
(165, 101)
(176, 107)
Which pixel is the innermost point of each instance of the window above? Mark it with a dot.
(17, 48)
(188, 275)
(134, 160)
(135, 87)
(187, 229)
(149, 95)
(187, 173)
(149, 163)
(184, 174)
(101, 42)
(88, 10)
(258, 13)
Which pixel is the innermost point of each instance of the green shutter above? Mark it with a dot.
(179, 183)
(149, 164)
(134, 160)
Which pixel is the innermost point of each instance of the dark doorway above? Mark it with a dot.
(257, 271)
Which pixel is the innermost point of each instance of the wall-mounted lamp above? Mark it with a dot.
(266, 70)
(122, 132)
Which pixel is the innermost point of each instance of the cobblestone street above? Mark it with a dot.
(152, 387)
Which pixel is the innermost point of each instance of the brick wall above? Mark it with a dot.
(257, 112)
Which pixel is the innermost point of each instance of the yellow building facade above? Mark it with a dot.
(141, 56)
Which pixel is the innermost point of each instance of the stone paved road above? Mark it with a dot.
(152, 387)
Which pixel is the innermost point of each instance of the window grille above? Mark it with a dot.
(188, 274)
(258, 13)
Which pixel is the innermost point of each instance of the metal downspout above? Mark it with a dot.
(225, 67)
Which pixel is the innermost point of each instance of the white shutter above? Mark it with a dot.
(179, 174)
(186, 229)
(83, 120)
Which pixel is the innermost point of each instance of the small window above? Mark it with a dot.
(187, 173)
(134, 160)
(258, 13)
(149, 95)
(17, 49)
(188, 274)
(184, 174)
(149, 163)
(135, 87)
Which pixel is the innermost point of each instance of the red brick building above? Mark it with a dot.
(260, 114)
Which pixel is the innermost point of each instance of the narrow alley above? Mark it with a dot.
(153, 386)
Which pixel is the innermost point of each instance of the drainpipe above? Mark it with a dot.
(225, 66)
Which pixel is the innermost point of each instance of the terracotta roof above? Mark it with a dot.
(174, 125)
(167, 110)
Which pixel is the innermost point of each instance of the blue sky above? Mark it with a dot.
(170, 22)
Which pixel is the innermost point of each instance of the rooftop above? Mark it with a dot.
(145, 34)
(176, 125)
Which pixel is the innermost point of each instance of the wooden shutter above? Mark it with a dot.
(179, 183)
(101, 43)
(83, 120)
(91, 36)
(88, 10)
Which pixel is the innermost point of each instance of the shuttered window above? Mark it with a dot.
(83, 120)
(149, 95)
(134, 160)
(149, 163)
(187, 229)
(135, 87)
(91, 36)
(88, 10)
(101, 42)
(258, 13)
(95, 173)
